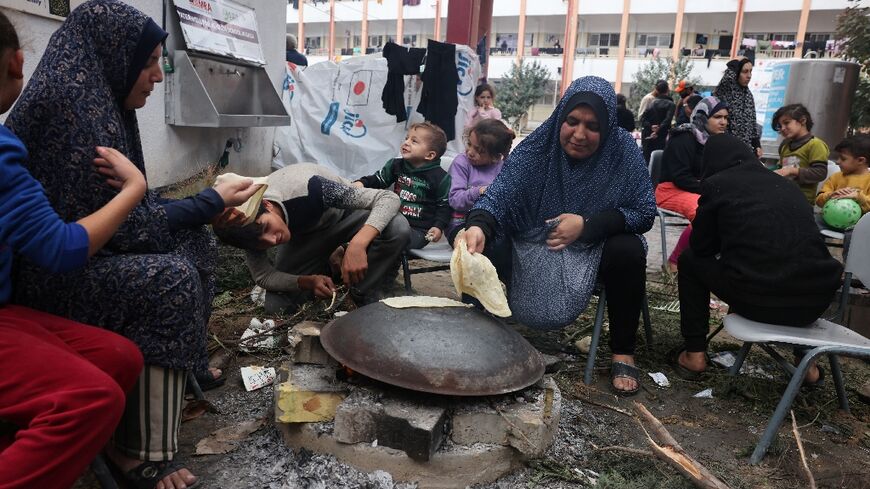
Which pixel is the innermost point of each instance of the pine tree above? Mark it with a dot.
(853, 26)
(659, 69)
(524, 85)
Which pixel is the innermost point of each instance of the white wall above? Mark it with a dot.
(175, 153)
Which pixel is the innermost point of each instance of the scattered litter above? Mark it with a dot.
(381, 478)
(660, 379)
(226, 439)
(673, 306)
(827, 428)
(583, 344)
(255, 377)
(258, 296)
(724, 359)
(705, 394)
(339, 314)
(375, 443)
(266, 341)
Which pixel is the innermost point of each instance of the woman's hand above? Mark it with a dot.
(121, 173)
(483, 189)
(354, 264)
(474, 239)
(321, 285)
(570, 228)
(236, 192)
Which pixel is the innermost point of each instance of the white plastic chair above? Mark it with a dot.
(824, 337)
(666, 217)
(439, 251)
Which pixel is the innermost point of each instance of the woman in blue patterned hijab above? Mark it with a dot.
(569, 208)
(153, 282)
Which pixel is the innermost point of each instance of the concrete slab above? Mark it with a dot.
(304, 339)
(413, 426)
(307, 393)
(527, 421)
(455, 467)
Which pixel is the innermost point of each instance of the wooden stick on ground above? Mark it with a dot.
(672, 453)
(800, 445)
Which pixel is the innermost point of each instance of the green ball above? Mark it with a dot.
(841, 213)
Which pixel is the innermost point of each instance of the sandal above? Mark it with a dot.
(622, 370)
(681, 371)
(207, 381)
(147, 474)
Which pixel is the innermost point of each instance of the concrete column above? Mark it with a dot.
(623, 42)
(437, 20)
(678, 30)
(364, 39)
(521, 32)
(802, 29)
(462, 21)
(331, 42)
(570, 44)
(400, 23)
(300, 29)
(738, 28)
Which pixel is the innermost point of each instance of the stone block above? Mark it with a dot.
(305, 344)
(526, 420)
(307, 393)
(394, 421)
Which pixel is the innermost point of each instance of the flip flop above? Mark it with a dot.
(207, 381)
(147, 474)
(622, 370)
(681, 371)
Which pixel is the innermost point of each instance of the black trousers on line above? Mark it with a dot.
(699, 276)
(622, 272)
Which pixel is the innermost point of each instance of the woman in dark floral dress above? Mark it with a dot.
(153, 282)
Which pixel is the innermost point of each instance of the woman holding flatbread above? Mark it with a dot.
(566, 212)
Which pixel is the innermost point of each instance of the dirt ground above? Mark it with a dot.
(720, 432)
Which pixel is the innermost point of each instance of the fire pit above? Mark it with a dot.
(416, 435)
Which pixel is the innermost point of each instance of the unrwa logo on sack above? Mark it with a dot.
(463, 68)
(352, 125)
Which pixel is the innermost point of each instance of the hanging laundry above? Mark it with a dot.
(401, 61)
(439, 100)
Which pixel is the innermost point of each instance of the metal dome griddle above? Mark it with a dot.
(442, 350)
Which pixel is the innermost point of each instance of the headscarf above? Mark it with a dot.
(702, 112)
(742, 121)
(538, 182)
(74, 102)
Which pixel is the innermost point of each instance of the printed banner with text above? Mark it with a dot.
(221, 27)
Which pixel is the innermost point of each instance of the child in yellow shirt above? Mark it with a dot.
(853, 180)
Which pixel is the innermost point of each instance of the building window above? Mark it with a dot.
(603, 39)
(376, 41)
(819, 37)
(782, 37)
(652, 40)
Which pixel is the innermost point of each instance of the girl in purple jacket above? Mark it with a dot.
(487, 144)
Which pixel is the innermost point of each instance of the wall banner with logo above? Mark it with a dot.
(221, 27)
(338, 119)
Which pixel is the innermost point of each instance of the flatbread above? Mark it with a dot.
(250, 207)
(476, 276)
(422, 301)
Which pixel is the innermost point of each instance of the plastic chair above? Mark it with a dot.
(824, 337)
(599, 322)
(439, 251)
(676, 219)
